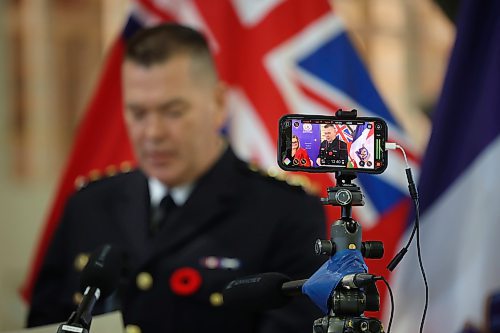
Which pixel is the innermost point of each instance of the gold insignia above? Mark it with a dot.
(144, 281)
(77, 298)
(132, 329)
(81, 261)
(126, 166)
(94, 175)
(273, 172)
(296, 180)
(216, 299)
(111, 170)
(254, 167)
(80, 182)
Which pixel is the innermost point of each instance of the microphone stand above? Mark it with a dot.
(80, 320)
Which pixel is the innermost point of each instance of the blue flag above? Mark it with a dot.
(459, 189)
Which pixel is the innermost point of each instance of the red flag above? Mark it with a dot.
(101, 147)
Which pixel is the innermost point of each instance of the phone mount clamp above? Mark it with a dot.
(347, 304)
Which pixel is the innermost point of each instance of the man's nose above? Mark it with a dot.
(155, 128)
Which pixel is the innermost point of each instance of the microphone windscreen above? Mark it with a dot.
(103, 270)
(257, 292)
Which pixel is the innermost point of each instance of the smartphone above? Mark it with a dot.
(328, 144)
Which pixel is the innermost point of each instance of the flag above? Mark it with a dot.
(100, 149)
(363, 140)
(460, 213)
(344, 133)
(277, 57)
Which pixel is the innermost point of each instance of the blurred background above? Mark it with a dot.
(51, 53)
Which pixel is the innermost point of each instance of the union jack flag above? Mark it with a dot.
(344, 133)
(278, 57)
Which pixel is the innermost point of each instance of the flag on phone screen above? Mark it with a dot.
(460, 214)
(277, 57)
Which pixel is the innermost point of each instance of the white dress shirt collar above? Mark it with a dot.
(157, 190)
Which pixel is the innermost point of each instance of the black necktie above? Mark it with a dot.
(161, 213)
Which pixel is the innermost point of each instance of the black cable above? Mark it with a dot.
(392, 303)
(414, 195)
(411, 236)
(416, 230)
(422, 270)
(412, 188)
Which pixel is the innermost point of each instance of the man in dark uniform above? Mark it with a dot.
(332, 150)
(224, 221)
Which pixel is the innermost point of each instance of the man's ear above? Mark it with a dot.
(220, 99)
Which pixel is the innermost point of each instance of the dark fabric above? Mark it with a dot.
(333, 153)
(236, 222)
(161, 214)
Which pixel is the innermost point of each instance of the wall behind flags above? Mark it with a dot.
(51, 52)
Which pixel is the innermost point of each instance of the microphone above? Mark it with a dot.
(273, 290)
(260, 292)
(99, 279)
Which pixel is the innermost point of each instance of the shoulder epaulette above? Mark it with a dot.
(95, 175)
(276, 175)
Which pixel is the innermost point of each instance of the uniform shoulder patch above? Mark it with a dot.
(283, 178)
(97, 175)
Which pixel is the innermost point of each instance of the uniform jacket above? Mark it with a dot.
(236, 222)
(333, 153)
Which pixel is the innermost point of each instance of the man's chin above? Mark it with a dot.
(166, 177)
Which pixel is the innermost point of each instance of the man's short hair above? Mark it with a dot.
(155, 45)
(328, 125)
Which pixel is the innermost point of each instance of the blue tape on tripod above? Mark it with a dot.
(319, 287)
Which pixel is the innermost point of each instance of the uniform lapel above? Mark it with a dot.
(214, 196)
(131, 213)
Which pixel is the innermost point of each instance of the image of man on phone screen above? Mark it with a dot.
(332, 150)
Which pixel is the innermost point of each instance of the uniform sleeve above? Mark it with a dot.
(50, 302)
(303, 222)
(321, 153)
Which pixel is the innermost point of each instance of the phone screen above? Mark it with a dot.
(328, 144)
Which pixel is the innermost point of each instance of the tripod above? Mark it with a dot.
(347, 302)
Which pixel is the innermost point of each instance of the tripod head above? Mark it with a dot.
(346, 233)
(347, 302)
